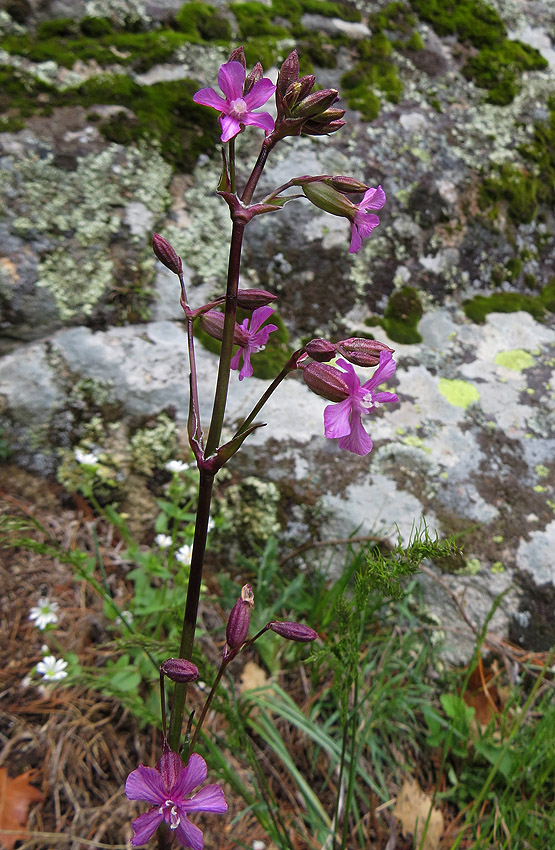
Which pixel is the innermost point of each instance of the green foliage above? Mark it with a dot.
(94, 27)
(497, 69)
(517, 188)
(202, 22)
(375, 71)
(401, 316)
(477, 308)
(256, 20)
(345, 11)
(470, 20)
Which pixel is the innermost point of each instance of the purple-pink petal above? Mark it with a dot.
(259, 119)
(258, 317)
(171, 769)
(208, 799)
(384, 398)
(373, 199)
(356, 241)
(231, 78)
(336, 419)
(145, 826)
(385, 370)
(191, 775)
(262, 91)
(208, 97)
(261, 337)
(349, 376)
(189, 834)
(365, 223)
(230, 127)
(247, 370)
(358, 440)
(145, 783)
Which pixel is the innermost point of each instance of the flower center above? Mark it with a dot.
(172, 817)
(367, 401)
(238, 108)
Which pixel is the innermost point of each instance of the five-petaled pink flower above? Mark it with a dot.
(251, 338)
(236, 108)
(363, 222)
(343, 419)
(167, 787)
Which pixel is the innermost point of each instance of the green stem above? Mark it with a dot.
(206, 484)
(207, 705)
(290, 366)
(222, 384)
(252, 182)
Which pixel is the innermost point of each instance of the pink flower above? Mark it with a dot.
(251, 339)
(343, 419)
(167, 787)
(362, 222)
(236, 108)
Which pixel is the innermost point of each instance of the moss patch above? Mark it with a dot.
(375, 73)
(497, 69)
(477, 308)
(401, 316)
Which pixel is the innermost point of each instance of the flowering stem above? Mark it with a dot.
(191, 605)
(207, 704)
(290, 366)
(232, 163)
(222, 384)
(267, 146)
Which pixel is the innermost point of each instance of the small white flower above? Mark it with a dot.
(183, 554)
(88, 458)
(164, 541)
(258, 845)
(210, 526)
(44, 613)
(126, 617)
(176, 466)
(52, 669)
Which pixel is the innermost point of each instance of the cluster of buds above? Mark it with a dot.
(299, 109)
(357, 350)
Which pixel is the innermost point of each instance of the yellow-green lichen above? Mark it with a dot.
(516, 360)
(498, 567)
(458, 393)
(417, 442)
(541, 471)
(471, 568)
(151, 447)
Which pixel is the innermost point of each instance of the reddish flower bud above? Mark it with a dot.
(320, 349)
(250, 299)
(293, 631)
(179, 670)
(166, 254)
(306, 84)
(326, 381)
(239, 620)
(238, 55)
(213, 323)
(315, 103)
(289, 73)
(346, 184)
(313, 128)
(362, 352)
(252, 77)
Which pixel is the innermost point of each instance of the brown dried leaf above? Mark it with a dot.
(412, 808)
(16, 795)
(253, 677)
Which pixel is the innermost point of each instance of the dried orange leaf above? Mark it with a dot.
(16, 795)
(412, 808)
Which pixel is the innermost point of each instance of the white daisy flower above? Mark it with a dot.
(52, 669)
(183, 554)
(44, 613)
(164, 541)
(176, 466)
(88, 458)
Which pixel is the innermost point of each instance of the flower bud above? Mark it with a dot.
(252, 77)
(315, 103)
(250, 299)
(213, 323)
(238, 55)
(326, 381)
(362, 352)
(329, 199)
(289, 73)
(313, 128)
(320, 349)
(293, 631)
(239, 620)
(166, 254)
(346, 184)
(179, 670)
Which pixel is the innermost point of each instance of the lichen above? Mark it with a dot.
(250, 511)
(516, 360)
(458, 393)
(152, 446)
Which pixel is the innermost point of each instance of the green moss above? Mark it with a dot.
(345, 11)
(530, 280)
(95, 27)
(401, 316)
(57, 26)
(541, 152)
(517, 188)
(514, 268)
(267, 363)
(375, 71)
(477, 308)
(415, 42)
(202, 21)
(497, 69)
(255, 20)
(470, 20)
(395, 17)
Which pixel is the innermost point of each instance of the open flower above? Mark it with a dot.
(167, 787)
(236, 108)
(52, 669)
(183, 554)
(342, 420)
(44, 613)
(251, 338)
(326, 197)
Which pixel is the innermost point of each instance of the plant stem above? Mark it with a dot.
(222, 384)
(267, 146)
(290, 366)
(191, 606)
(207, 705)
